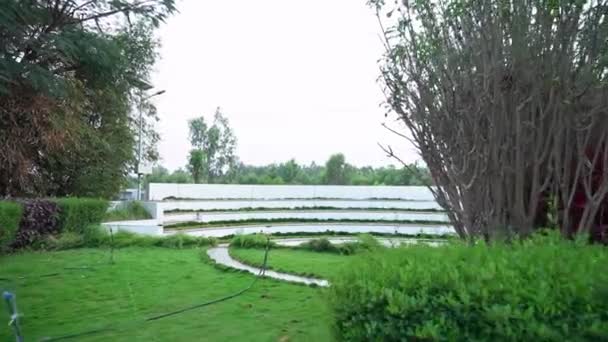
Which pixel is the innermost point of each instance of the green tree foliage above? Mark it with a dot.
(70, 72)
(162, 175)
(214, 147)
(336, 170)
(197, 164)
(291, 172)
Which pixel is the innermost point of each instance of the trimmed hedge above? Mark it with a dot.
(10, 216)
(545, 289)
(77, 214)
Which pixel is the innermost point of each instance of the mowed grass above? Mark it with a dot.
(302, 262)
(145, 282)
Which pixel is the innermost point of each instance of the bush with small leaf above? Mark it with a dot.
(543, 289)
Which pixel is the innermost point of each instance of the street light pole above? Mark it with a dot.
(139, 142)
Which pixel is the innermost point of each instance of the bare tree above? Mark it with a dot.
(506, 102)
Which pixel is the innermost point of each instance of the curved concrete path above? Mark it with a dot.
(221, 255)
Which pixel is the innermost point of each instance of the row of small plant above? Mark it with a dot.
(542, 289)
(222, 223)
(248, 209)
(98, 236)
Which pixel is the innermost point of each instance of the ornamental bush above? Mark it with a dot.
(40, 219)
(320, 245)
(545, 289)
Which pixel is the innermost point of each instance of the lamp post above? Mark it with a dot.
(139, 143)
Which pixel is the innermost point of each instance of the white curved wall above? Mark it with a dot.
(240, 204)
(313, 214)
(160, 191)
(321, 228)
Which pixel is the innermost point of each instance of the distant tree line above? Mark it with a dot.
(213, 159)
(336, 171)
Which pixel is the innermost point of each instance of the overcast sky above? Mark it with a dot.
(296, 79)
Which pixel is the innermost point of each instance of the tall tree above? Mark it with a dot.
(218, 143)
(197, 165)
(507, 103)
(336, 170)
(289, 171)
(69, 75)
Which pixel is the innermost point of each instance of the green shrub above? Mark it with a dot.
(132, 210)
(65, 240)
(319, 245)
(348, 248)
(250, 241)
(183, 240)
(10, 216)
(79, 214)
(365, 242)
(368, 242)
(96, 235)
(539, 290)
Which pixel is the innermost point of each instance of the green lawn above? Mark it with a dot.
(319, 265)
(148, 281)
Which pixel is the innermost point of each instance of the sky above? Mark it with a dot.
(296, 79)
